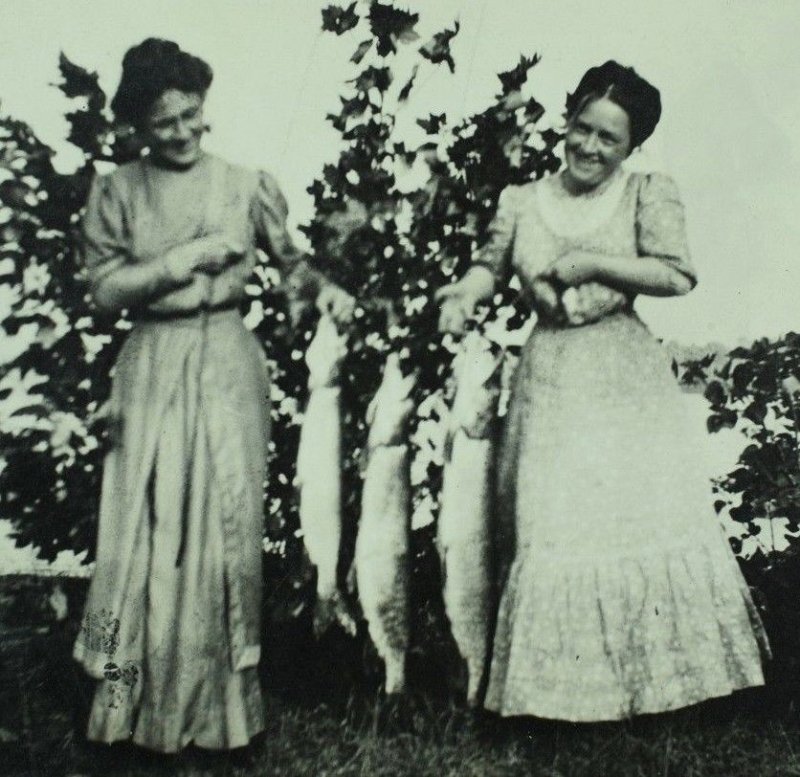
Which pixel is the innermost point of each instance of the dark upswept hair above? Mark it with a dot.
(149, 70)
(625, 87)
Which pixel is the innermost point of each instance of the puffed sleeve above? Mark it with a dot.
(661, 226)
(270, 211)
(496, 252)
(105, 243)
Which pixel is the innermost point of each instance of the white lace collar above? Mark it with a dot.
(573, 215)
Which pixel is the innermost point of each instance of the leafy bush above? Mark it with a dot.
(755, 390)
(394, 219)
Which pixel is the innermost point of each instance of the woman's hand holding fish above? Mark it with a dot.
(458, 300)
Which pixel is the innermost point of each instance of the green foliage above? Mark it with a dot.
(755, 390)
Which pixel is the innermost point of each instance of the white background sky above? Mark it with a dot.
(728, 70)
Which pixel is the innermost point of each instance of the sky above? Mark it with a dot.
(728, 71)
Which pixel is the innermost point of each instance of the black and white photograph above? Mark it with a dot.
(399, 388)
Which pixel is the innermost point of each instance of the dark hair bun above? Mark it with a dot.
(624, 86)
(149, 70)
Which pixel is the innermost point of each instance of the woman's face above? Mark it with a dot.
(174, 128)
(598, 140)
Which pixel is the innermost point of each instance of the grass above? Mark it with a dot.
(324, 732)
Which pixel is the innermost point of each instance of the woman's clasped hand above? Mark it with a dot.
(210, 255)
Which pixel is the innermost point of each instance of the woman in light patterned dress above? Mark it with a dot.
(620, 594)
(172, 624)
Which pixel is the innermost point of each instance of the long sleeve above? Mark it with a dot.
(270, 212)
(105, 244)
(661, 226)
(116, 280)
(496, 252)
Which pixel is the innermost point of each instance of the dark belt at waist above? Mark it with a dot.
(179, 315)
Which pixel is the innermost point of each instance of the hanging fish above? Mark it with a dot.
(319, 472)
(382, 564)
(463, 530)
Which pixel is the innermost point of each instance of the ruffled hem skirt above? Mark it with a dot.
(623, 597)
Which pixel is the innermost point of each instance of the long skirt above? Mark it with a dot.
(172, 623)
(623, 596)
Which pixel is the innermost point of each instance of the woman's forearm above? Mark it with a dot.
(644, 275)
(131, 285)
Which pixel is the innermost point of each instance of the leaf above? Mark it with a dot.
(513, 80)
(437, 49)
(534, 110)
(715, 393)
(756, 411)
(406, 155)
(433, 123)
(361, 51)
(742, 374)
(78, 82)
(390, 25)
(86, 131)
(338, 121)
(743, 513)
(723, 420)
(339, 20)
(353, 107)
(373, 78)
(406, 90)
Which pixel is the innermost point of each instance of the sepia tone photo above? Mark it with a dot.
(399, 388)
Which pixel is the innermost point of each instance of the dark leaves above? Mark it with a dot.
(437, 49)
(742, 513)
(715, 393)
(391, 25)
(373, 78)
(756, 411)
(514, 79)
(406, 155)
(742, 375)
(87, 129)
(78, 82)
(695, 371)
(725, 419)
(339, 20)
(361, 51)
(352, 108)
(433, 123)
(406, 90)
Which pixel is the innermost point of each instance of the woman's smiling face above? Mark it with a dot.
(598, 140)
(174, 128)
